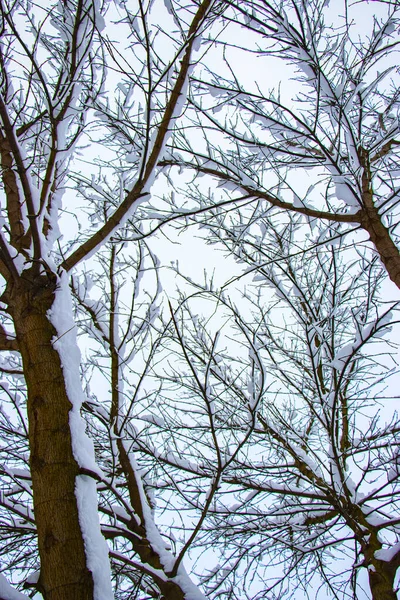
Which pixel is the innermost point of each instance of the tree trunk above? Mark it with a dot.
(381, 573)
(64, 573)
(381, 581)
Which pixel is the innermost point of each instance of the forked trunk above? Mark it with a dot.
(64, 573)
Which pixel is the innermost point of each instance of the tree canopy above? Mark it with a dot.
(235, 434)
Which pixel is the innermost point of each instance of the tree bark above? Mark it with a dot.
(380, 237)
(371, 221)
(381, 581)
(64, 573)
(381, 573)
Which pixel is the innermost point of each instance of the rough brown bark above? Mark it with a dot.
(381, 573)
(18, 238)
(380, 237)
(64, 574)
(381, 581)
(371, 221)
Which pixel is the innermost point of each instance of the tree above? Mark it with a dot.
(170, 416)
(338, 123)
(287, 399)
(54, 63)
(255, 142)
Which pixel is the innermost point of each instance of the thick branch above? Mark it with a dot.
(257, 193)
(379, 235)
(139, 525)
(138, 190)
(22, 173)
(371, 221)
(18, 238)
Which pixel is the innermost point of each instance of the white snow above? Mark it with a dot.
(190, 590)
(9, 593)
(33, 577)
(376, 329)
(344, 191)
(96, 548)
(342, 356)
(387, 554)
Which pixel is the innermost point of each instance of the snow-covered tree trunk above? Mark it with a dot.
(74, 561)
(381, 571)
(382, 581)
(54, 468)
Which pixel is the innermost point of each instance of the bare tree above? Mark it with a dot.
(320, 96)
(54, 104)
(294, 440)
(189, 446)
(338, 126)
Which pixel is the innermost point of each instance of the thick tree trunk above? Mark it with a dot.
(64, 574)
(381, 581)
(381, 573)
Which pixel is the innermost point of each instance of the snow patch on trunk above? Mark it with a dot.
(7, 592)
(388, 554)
